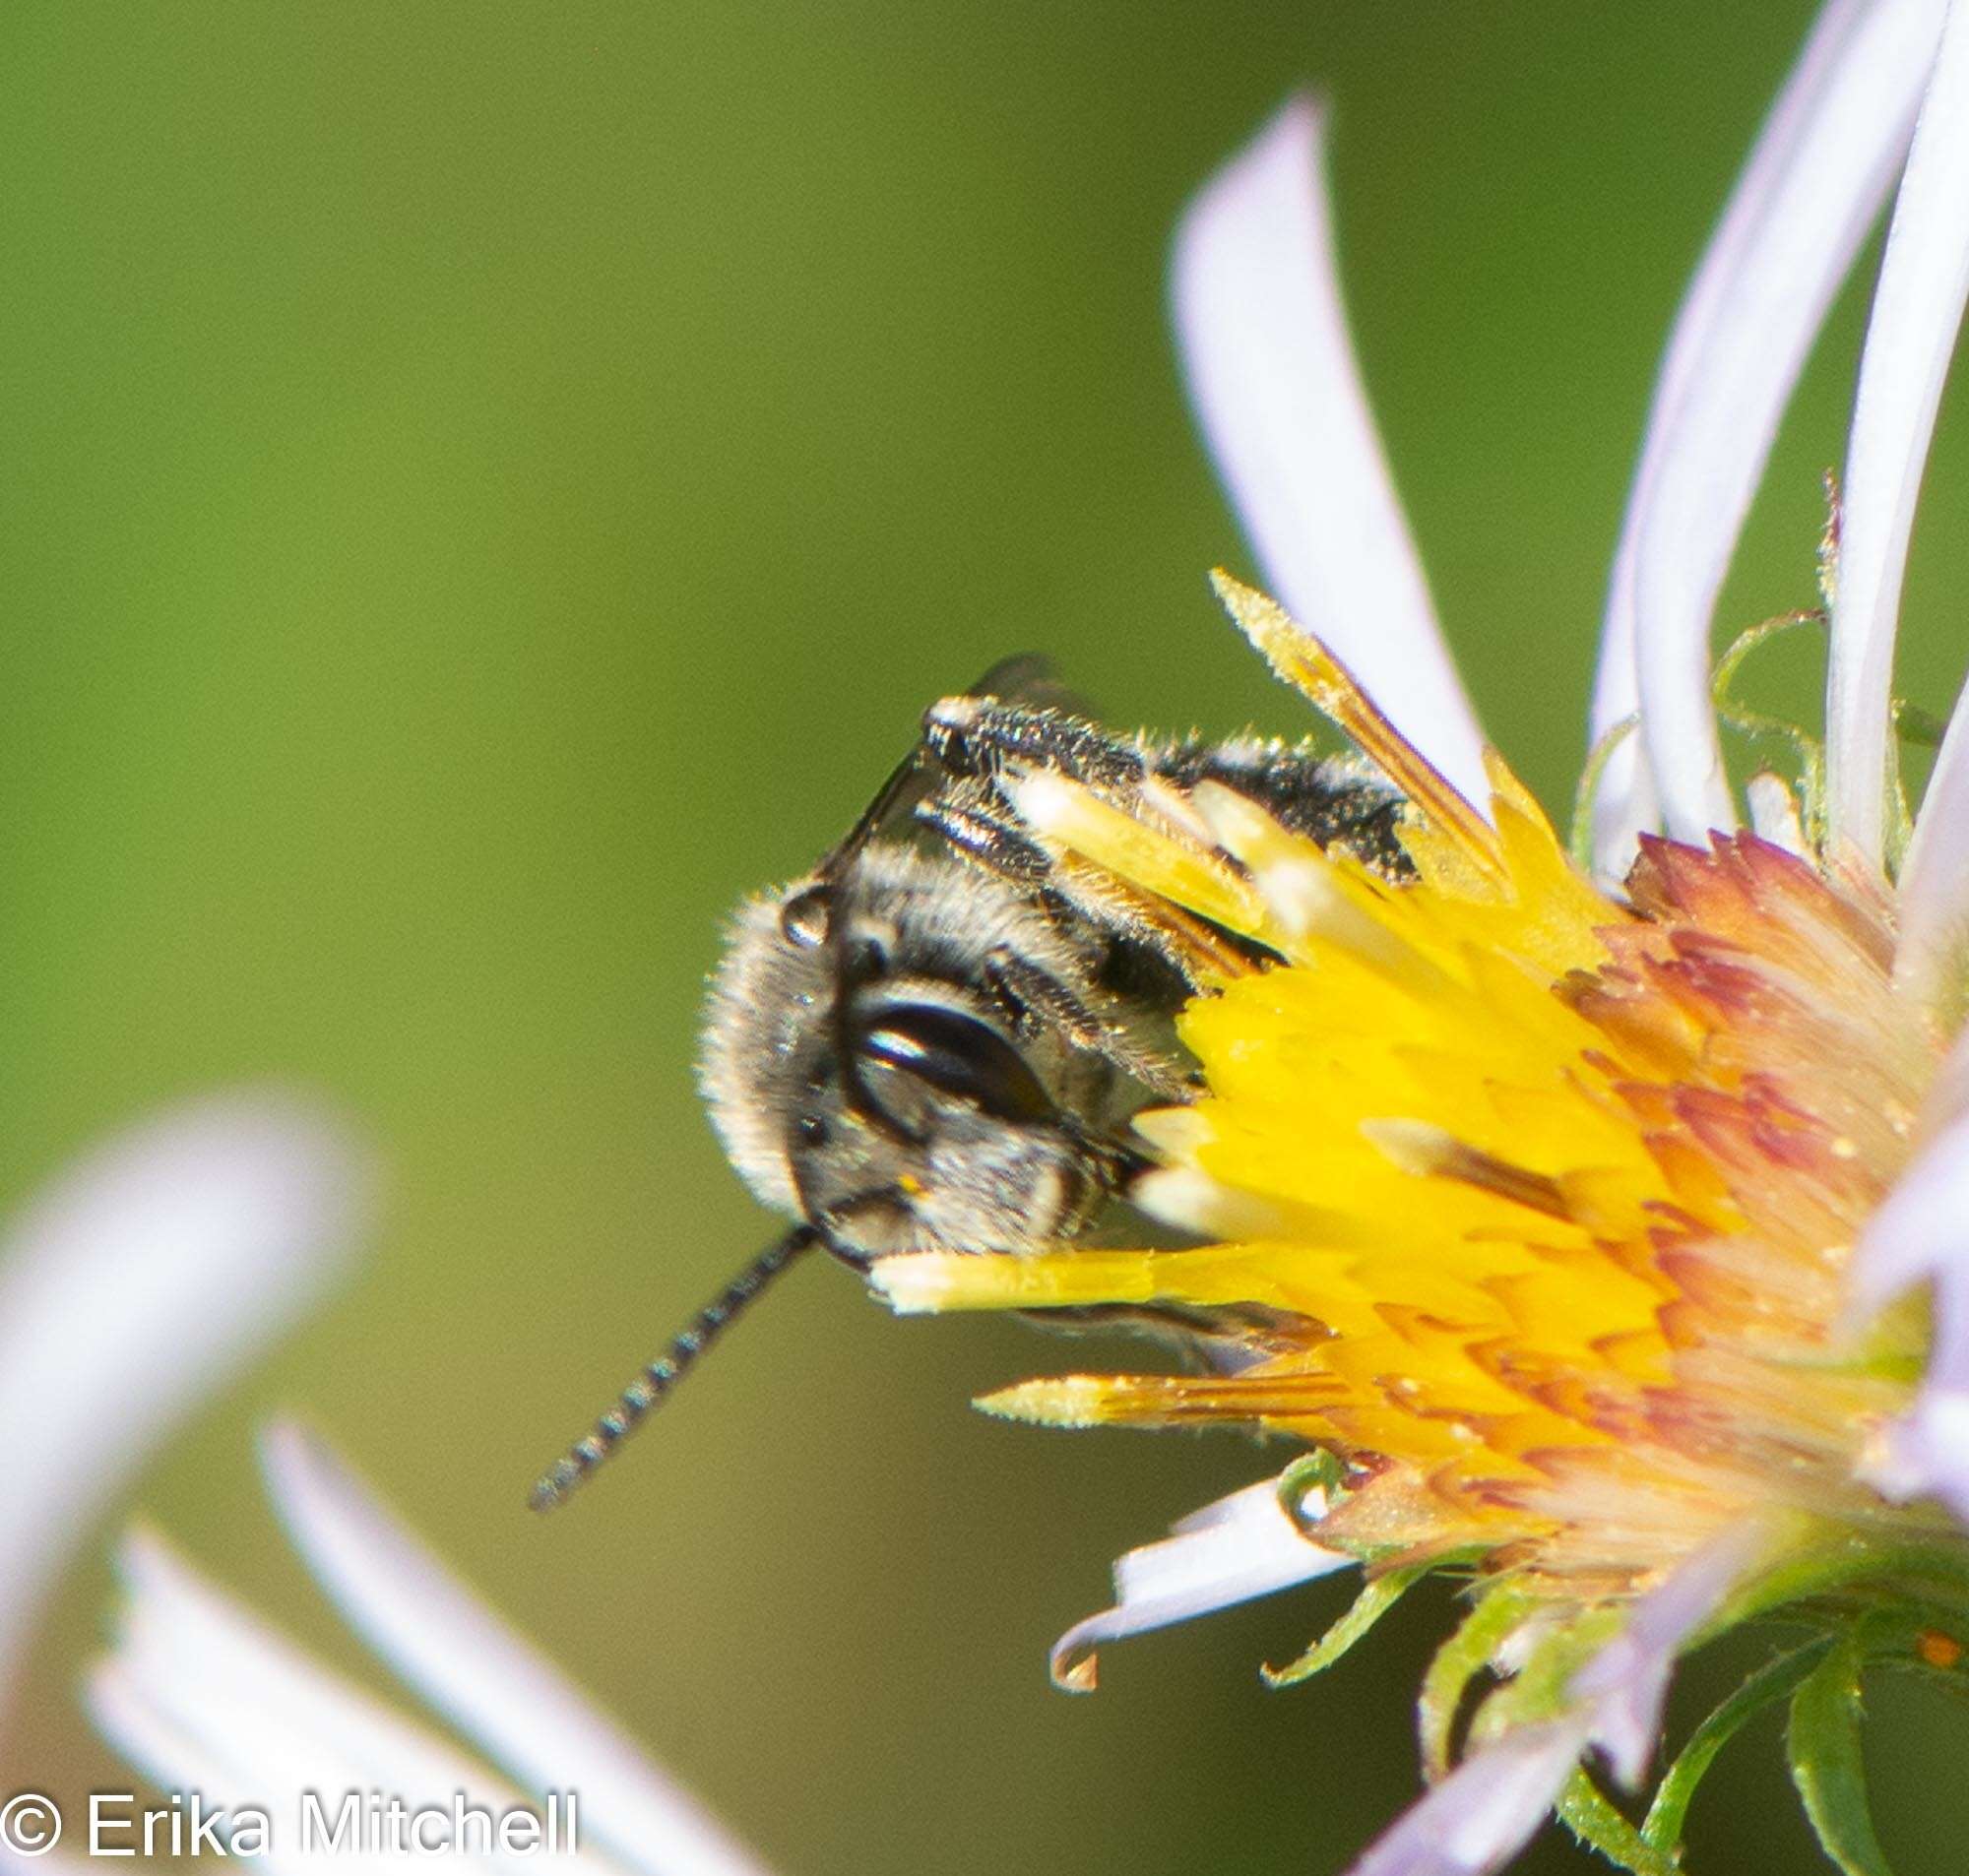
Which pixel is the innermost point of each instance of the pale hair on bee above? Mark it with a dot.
(936, 1040)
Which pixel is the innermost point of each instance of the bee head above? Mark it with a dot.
(866, 1074)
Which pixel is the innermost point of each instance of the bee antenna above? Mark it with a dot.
(660, 1378)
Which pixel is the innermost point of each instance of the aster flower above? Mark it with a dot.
(207, 1698)
(1606, 1215)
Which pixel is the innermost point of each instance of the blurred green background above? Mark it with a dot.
(485, 486)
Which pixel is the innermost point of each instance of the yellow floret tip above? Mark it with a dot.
(1071, 1401)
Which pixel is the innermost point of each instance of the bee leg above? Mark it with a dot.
(979, 736)
(1062, 1008)
(1330, 799)
(1222, 1343)
(995, 843)
(1327, 798)
(1146, 961)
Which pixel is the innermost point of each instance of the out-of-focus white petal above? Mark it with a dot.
(1484, 1811)
(1271, 372)
(1625, 1684)
(1948, 1098)
(470, 1665)
(1822, 169)
(1240, 1547)
(139, 1285)
(41, 1861)
(1926, 1454)
(1921, 1228)
(1921, 1234)
(1910, 340)
(133, 1717)
(223, 1676)
(204, 1696)
(1932, 959)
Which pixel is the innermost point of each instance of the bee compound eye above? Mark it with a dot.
(958, 1055)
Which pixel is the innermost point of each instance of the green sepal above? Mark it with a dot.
(1580, 837)
(1319, 1470)
(1375, 1599)
(1776, 1680)
(1591, 1816)
(1822, 1740)
(1929, 1577)
(1541, 1688)
(1500, 1607)
(1810, 751)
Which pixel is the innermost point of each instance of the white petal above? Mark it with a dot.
(471, 1665)
(1910, 340)
(204, 1696)
(1921, 1234)
(1822, 169)
(1240, 1547)
(1931, 960)
(140, 1284)
(1926, 1454)
(1774, 812)
(1626, 1684)
(1948, 1098)
(1271, 372)
(1626, 805)
(133, 1718)
(1484, 1811)
(43, 1862)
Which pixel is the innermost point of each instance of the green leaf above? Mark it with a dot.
(1824, 1740)
(1776, 1680)
(1590, 1815)
(1367, 1608)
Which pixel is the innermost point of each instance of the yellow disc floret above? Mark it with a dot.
(1534, 1201)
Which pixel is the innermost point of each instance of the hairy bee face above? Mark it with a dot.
(935, 1042)
(869, 1070)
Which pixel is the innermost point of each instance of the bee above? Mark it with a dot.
(937, 1038)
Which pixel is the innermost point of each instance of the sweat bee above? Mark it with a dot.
(937, 1038)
